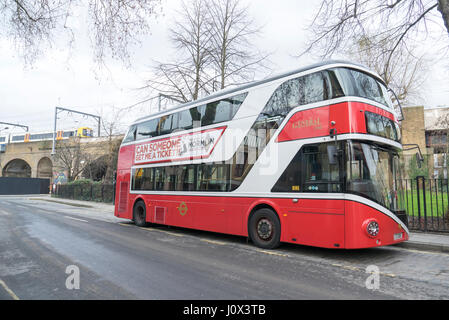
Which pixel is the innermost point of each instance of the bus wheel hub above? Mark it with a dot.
(264, 229)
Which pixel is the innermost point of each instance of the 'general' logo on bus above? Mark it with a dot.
(315, 123)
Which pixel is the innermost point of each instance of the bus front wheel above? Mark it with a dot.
(139, 214)
(265, 228)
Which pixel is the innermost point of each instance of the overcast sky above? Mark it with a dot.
(70, 79)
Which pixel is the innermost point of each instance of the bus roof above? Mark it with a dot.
(260, 82)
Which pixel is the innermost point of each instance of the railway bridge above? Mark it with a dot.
(35, 159)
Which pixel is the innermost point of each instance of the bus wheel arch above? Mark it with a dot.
(264, 226)
(139, 213)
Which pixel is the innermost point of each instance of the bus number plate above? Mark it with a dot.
(397, 236)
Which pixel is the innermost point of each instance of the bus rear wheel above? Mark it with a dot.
(264, 229)
(139, 214)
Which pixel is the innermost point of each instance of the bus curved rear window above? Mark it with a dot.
(360, 84)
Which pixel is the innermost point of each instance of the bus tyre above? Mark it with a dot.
(139, 214)
(264, 229)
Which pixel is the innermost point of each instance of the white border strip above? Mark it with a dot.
(356, 198)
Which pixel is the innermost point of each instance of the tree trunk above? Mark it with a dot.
(443, 7)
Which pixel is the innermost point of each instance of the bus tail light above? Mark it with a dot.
(371, 227)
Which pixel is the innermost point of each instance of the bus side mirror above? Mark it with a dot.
(419, 159)
(399, 112)
(418, 155)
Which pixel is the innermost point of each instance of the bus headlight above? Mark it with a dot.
(371, 227)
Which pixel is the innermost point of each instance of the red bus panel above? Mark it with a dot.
(327, 223)
(349, 117)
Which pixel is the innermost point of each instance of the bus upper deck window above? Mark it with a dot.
(165, 124)
(335, 87)
(131, 136)
(147, 129)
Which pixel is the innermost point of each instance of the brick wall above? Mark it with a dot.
(413, 128)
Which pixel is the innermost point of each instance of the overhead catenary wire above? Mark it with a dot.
(60, 109)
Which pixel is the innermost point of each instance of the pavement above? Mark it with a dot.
(425, 241)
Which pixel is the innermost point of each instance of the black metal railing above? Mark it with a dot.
(89, 192)
(426, 203)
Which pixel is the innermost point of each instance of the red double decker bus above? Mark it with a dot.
(308, 157)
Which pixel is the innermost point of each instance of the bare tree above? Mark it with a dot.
(113, 25)
(72, 156)
(179, 81)
(403, 72)
(113, 129)
(213, 41)
(233, 56)
(395, 23)
(185, 78)
(443, 7)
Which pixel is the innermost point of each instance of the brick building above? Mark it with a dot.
(428, 127)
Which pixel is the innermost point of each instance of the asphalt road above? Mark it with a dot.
(42, 242)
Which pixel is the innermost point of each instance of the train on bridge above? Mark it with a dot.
(83, 132)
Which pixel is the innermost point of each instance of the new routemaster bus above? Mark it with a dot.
(308, 157)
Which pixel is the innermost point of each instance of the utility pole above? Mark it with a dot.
(59, 109)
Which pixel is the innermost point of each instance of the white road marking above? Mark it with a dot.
(125, 224)
(168, 232)
(214, 242)
(273, 253)
(9, 291)
(68, 217)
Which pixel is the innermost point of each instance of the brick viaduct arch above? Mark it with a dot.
(17, 168)
(37, 155)
(29, 154)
